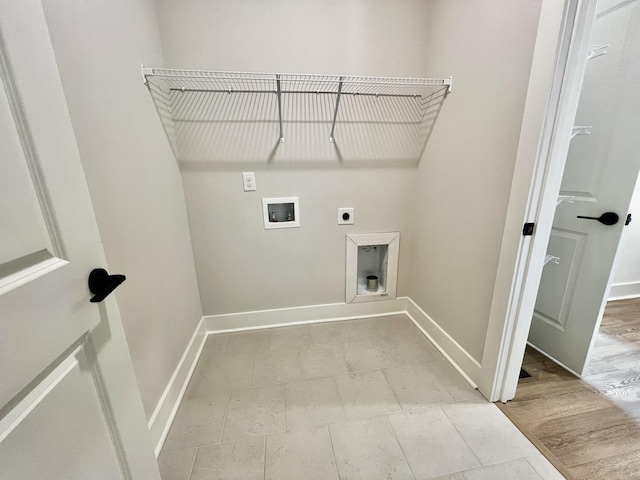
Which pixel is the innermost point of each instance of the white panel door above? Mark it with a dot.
(69, 405)
(600, 174)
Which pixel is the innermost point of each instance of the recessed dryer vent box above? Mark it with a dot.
(372, 255)
(281, 212)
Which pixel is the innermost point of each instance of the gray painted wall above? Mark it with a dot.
(242, 267)
(450, 209)
(134, 182)
(465, 176)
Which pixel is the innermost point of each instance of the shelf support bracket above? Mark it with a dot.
(552, 259)
(597, 51)
(279, 95)
(586, 130)
(565, 198)
(146, 71)
(335, 112)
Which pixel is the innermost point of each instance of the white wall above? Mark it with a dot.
(466, 173)
(242, 267)
(133, 179)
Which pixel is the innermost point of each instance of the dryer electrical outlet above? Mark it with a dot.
(345, 216)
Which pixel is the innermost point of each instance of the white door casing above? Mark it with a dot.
(599, 176)
(69, 404)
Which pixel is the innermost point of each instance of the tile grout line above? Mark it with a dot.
(284, 401)
(344, 411)
(333, 451)
(462, 437)
(264, 459)
(395, 436)
(193, 464)
(224, 420)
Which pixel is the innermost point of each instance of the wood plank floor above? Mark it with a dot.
(589, 427)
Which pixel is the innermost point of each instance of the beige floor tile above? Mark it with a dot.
(249, 343)
(199, 421)
(453, 476)
(415, 387)
(306, 454)
(254, 412)
(366, 395)
(488, 432)
(515, 470)
(240, 460)
(394, 325)
(176, 465)
(329, 332)
(366, 355)
(431, 444)
(332, 385)
(544, 468)
(313, 402)
(323, 360)
(288, 337)
(353, 330)
(215, 345)
(368, 450)
(411, 348)
(276, 367)
(221, 374)
(453, 382)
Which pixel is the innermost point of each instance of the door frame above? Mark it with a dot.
(548, 118)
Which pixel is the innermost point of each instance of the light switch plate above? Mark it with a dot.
(249, 181)
(345, 216)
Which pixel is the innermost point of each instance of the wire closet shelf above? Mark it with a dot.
(210, 115)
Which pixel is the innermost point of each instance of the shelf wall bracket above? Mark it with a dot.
(582, 130)
(552, 259)
(279, 95)
(565, 198)
(449, 83)
(335, 112)
(597, 51)
(145, 71)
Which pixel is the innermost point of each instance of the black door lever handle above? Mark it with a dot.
(101, 284)
(607, 218)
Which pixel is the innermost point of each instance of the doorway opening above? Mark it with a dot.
(596, 192)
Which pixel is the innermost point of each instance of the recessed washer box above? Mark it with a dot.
(280, 212)
(372, 255)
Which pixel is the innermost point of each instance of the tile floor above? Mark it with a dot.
(361, 399)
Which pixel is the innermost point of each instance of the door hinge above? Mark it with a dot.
(527, 230)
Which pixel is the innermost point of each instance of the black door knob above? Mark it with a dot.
(607, 218)
(101, 284)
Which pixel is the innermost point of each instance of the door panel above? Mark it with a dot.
(600, 173)
(62, 421)
(25, 241)
(69, 404)
(558, 282)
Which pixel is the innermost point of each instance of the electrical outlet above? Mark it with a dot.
(345, 216)
(249, 181)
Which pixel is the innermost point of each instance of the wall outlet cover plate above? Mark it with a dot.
(345, 216)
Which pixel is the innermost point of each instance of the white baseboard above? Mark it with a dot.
(461, 360)
(165, 411)
(280, 317)
(622, 291)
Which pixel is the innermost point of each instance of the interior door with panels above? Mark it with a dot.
(69, 405)
(599, 177)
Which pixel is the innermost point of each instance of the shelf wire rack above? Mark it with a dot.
(232, 116)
